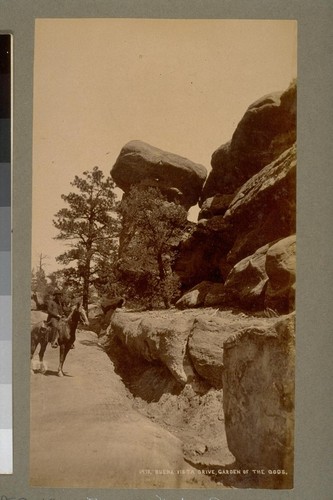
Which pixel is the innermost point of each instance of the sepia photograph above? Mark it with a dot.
(163, 254)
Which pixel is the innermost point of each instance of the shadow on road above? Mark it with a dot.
(52, 373)
(91, 343)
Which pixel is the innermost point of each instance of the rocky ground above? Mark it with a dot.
(121, 418)
(86, 431)
(192, 409)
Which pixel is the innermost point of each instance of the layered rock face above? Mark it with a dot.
(187, 343)
(250, 357)
(258, 385)
(142, 164)
(249, 198)
(264, 209)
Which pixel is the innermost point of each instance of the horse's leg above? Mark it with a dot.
(43, 345)
(34, 343)
(61, 359)
(64, 348)
(33, 347)
(73, 336)
(32, 350)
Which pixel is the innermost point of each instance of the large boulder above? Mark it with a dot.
(266, 130)
(263, 210)
(206, 349)
(281, 269)
(142, 164)
(258, 386)
(196, 297)
(246, 282)
(216, 205)
(208, 335)
(263, 280)
(155, 338)
(100, 314)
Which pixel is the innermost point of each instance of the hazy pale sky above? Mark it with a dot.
(180, 85)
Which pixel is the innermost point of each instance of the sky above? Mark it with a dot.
(179, 85)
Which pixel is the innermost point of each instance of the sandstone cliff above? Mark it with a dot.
(224, 373)
(208, 372)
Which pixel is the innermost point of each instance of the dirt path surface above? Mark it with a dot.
(86, 433)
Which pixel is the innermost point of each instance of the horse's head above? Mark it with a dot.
(44, 327)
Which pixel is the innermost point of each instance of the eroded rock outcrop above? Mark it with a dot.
(185, 342)
(248, 199)
(155, 339)
(240, 255)
(280, 267)
(246, 283)
(258, 385)
(263, 280)
(142, 164)
(263, 211)
(243, 364)
(266, 130)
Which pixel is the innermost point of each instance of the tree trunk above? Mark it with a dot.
(86, 283)
(162, 275)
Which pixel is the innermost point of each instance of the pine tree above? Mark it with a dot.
(90, 223)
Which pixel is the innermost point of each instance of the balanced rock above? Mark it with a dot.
(266, 130)
(179, 178)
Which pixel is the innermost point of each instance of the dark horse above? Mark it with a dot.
(41, 334)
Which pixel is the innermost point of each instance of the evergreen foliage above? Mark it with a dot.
(90, 223)
(152, 228)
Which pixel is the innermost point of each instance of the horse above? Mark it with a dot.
(41, 333)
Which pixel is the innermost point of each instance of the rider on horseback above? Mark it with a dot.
(55, 311)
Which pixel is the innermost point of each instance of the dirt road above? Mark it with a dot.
(85, 432)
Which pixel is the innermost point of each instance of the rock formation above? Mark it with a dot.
(240, 259)
(263, 280)
(141, 164)
(264, 209)
(258, 387)
(249, 198)
(250, 357)
(281, 270)
(266, 130)
(181, 340)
